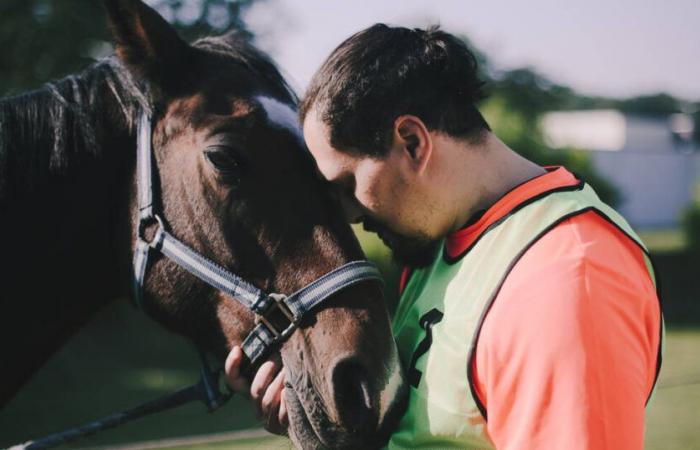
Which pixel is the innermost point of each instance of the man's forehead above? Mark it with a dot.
(331, 163)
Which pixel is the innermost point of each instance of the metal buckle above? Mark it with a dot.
(147, 222)
(274, 316)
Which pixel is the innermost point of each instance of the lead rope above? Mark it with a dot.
(207, 391)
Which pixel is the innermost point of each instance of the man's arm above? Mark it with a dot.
(567, 355)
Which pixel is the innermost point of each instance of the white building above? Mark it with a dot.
(654, 163)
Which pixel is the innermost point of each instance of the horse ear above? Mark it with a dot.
(148, 45)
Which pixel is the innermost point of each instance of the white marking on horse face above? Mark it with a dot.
(392, 386)
(281, 115)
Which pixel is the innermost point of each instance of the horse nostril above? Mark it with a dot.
(353, 396)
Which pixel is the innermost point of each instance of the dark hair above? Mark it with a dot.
(383, 72)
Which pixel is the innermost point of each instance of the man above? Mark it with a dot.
(529, 316)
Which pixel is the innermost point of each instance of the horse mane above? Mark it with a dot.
(46, 131)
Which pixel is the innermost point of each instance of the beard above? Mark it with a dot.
(413, 251)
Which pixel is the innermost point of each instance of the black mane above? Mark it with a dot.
(45, 131)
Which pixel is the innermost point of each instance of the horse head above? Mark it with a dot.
(235, 183)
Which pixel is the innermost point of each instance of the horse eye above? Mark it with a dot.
(225, 161)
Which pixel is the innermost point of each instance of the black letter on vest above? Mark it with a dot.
(426, 322)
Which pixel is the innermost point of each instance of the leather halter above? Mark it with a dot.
(278, 314)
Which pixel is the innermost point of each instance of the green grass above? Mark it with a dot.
(666, 240)
(672, 418)
(122, 358)
(265, 443)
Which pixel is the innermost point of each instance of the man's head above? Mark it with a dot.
(376, 116)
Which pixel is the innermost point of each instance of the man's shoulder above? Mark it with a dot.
(582, 269)
(580, 297)
(577, 243)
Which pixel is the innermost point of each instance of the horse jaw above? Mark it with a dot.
(310, 425)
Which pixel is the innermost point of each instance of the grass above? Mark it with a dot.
(672, 417)
(122, 358)
(664, 240)
(265, 443)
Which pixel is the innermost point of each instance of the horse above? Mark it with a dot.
(234, 182)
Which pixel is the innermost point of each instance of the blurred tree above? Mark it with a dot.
(691, 224)
(196, 18)
(531, 94)
(46, 39)
(651, 105)
(519, 129)
(517, 99)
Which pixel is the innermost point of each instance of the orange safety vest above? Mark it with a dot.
(438, 324)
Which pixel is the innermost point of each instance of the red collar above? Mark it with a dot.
(459, 242)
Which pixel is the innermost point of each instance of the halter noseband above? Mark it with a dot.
(278, 315)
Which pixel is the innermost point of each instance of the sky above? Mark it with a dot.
(614, 48)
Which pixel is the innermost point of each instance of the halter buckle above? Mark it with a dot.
(277, 317)
(145, 223)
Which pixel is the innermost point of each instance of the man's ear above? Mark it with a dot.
(149, 46)
(412, 137)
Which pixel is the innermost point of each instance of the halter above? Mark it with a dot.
(277, 315)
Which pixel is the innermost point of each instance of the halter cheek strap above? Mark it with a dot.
(277, 315)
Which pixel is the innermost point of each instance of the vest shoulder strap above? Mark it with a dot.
(506, 244)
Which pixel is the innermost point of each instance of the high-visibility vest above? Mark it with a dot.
(443, 306)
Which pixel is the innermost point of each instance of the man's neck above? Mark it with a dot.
(493, 169)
